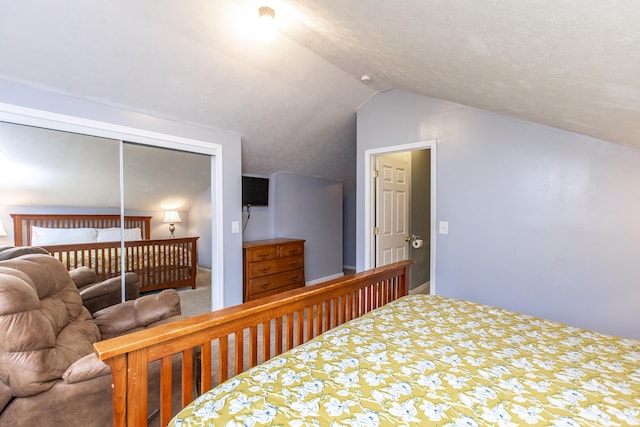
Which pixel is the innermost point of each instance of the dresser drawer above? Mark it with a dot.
(272, 266)
(290, 249)
(261, 254)
(276, 281)
(275, 291)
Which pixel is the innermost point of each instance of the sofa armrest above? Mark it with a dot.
(142, 312)
(112, 286)
(83, 276)
(86, 368)
(96, 296)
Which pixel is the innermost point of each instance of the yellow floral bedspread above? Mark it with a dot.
(427, 360)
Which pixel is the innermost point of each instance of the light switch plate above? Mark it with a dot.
(443, 227)
(235, 227)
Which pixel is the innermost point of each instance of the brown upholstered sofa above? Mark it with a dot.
(49, 374)
(96, 294)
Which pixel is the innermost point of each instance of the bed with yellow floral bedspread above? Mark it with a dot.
(428, 360)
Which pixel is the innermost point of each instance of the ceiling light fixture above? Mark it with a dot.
(267, 28)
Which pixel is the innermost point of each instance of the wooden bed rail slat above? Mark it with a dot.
(205, 366)
(137, 379)
(223, 357)
(313, 310)
(239, 353)
(167, 373)
(266, 338)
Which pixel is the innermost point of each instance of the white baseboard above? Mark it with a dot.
(422, 289)
(324, 279)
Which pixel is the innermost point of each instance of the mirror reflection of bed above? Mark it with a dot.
(44, 171)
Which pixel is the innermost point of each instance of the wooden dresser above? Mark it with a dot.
(272, 266)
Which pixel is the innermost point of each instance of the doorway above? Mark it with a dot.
(400, 209)
(392, 227)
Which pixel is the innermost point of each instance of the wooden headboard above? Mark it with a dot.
(22, 223)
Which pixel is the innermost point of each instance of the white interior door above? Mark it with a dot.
(392, 208)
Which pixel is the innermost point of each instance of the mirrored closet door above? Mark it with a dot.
(171, 188)
(62, 191)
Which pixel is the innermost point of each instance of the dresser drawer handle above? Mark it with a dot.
(264, 269)
(265, 285)
(293, 263)
(293, 277)
(262, 254)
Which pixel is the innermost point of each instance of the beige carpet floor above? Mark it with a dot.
(197, 301)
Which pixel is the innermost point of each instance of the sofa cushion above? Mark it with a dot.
(44, 327)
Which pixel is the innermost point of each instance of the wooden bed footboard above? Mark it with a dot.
(159, 263)
(237, 338)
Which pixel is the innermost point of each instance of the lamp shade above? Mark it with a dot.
(2, 232)
(171, 217)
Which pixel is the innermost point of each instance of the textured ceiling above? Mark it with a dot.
(571, 65)
(575, 66)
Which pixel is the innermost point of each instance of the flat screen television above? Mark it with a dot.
(255, 191)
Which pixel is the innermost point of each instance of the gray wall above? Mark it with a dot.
(199, 224)
(541, 220)
(25, 96)
(310, 208)
(349, 229)
(304, 207)
(420, 215)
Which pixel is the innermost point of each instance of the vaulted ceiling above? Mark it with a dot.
(571, 65)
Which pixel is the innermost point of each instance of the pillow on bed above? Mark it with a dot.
(113, 234)
(41, 236)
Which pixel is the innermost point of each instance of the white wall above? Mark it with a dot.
(29, 97)
(541, 220)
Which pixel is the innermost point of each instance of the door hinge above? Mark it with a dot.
(375, 231)
(375, 173)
